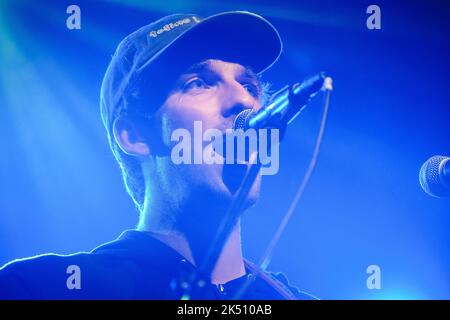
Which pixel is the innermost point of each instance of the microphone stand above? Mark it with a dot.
(192, 286)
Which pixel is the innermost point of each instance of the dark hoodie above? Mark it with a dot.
(135, 266)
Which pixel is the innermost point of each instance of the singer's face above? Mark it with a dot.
(208, 95)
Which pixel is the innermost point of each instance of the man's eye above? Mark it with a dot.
(252, 89)
(195, 84)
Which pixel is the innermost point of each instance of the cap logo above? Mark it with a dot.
(170, 26)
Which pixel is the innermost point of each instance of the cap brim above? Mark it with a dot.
(238, 36)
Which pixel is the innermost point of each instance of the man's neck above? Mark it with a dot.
(229, 265)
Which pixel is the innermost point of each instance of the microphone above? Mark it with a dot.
(434, 176)
(284, 105)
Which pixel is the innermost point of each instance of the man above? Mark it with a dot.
(165, 76)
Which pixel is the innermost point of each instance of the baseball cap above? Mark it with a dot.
(175, 41)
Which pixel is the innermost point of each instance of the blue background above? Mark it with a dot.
(61, 190)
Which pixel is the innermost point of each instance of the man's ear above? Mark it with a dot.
(129, 138)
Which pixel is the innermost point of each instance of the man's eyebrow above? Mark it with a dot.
(204, 66)
(198, 67)
(249, 73)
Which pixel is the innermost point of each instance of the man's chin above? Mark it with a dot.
(217, 185)
(233, 176)
(232, 179)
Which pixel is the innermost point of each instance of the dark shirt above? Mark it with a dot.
(135, 266)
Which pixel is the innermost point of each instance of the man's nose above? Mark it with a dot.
(235, 98)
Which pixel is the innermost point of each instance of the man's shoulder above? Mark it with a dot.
(49, 275)
(52, 262)
(121, 269)
(42, 262)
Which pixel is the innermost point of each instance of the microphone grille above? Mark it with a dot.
(429, 177)
(241, 119)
